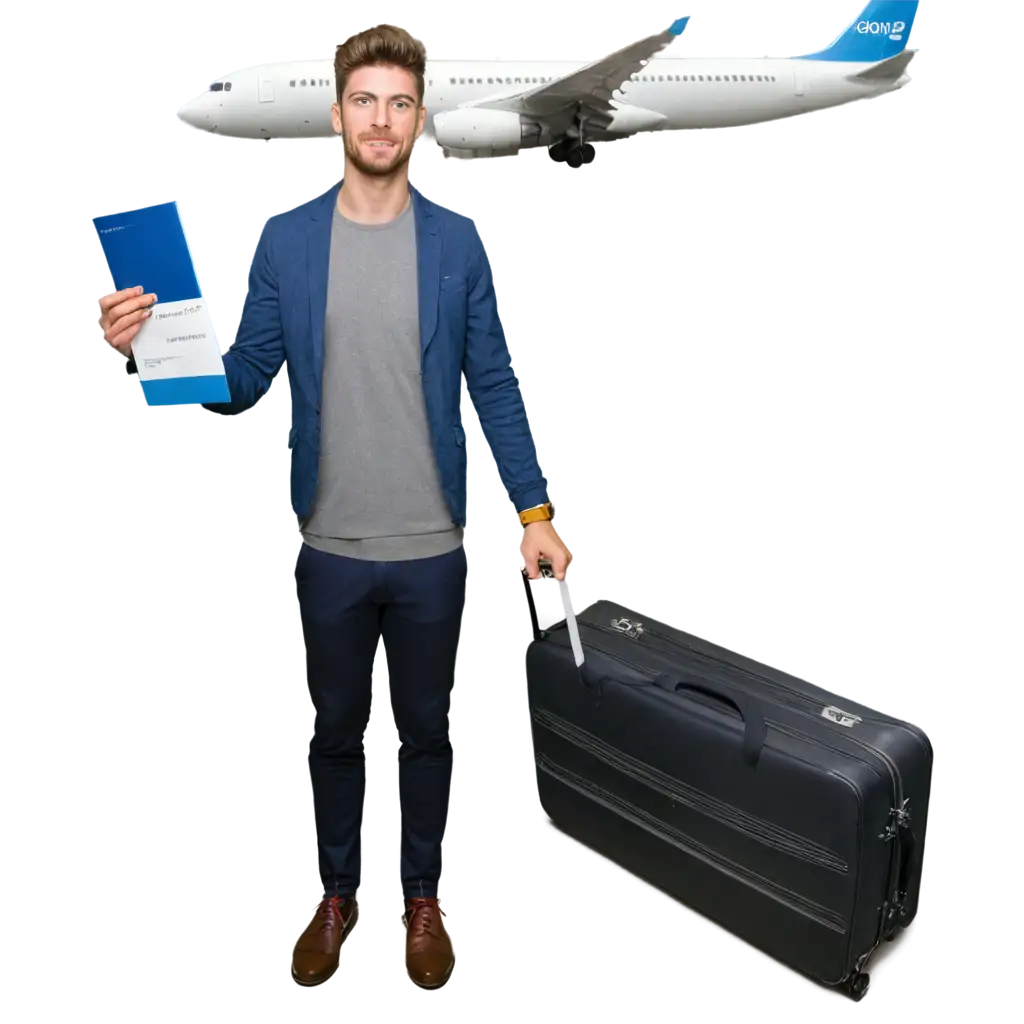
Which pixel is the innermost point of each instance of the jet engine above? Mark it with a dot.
(480, 132)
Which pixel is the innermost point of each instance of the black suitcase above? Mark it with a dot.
(790, 815)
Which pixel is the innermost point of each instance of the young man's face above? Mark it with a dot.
(379, 118)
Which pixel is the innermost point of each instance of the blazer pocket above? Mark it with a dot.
(292, 434)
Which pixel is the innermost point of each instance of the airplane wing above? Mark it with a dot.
(590, 87)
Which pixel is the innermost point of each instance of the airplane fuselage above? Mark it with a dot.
(293, 99)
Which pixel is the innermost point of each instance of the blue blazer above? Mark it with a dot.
(460, 333)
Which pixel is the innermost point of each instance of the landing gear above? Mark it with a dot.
(584, 158)
(559, 154)
(569, 152)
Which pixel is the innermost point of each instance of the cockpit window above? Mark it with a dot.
(216, 87)
(227, 87)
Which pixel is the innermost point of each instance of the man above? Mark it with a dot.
(379, 301)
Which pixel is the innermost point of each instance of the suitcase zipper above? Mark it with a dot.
(637, 816)
(761, 831)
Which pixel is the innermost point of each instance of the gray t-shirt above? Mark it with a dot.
(379, 493)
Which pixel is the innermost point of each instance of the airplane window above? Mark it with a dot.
(303, 82)
(519, 81)
(479, 81)
(216, 87)
(451, 80)
(292, 83)
(490, 81)
(735, 78)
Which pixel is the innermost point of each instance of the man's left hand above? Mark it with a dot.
(541, 541)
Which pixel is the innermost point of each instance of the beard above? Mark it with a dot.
(377, 167)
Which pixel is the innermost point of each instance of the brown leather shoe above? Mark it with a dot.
(429, 958)
(315, 957)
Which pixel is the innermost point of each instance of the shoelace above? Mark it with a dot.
(421, 918)
(331, 906)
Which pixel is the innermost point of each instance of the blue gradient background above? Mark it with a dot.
(153, 722)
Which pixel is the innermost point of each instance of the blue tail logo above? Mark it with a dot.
(879, 32)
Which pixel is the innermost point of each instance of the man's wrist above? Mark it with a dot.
(543, 512)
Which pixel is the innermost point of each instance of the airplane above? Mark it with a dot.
(498, 108)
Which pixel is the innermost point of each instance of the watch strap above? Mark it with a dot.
(538, 513)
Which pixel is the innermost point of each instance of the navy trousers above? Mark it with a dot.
(347, 605)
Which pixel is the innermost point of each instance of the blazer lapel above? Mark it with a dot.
(428, 263)
(318, 257)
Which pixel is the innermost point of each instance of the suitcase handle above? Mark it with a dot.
(539, 629)
(754, 729)
(908, 865)
(544, 564)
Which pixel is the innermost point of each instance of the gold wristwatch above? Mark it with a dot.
(538, 514)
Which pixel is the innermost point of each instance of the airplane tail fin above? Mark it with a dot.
(879, 32)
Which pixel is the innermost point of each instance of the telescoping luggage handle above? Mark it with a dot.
(569, 599)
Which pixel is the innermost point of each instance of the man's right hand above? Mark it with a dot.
(122, 315)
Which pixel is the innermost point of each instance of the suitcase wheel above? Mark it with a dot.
(857, 986)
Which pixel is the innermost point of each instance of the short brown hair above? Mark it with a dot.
(383, 44)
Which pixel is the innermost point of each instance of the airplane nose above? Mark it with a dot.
(193, 113)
